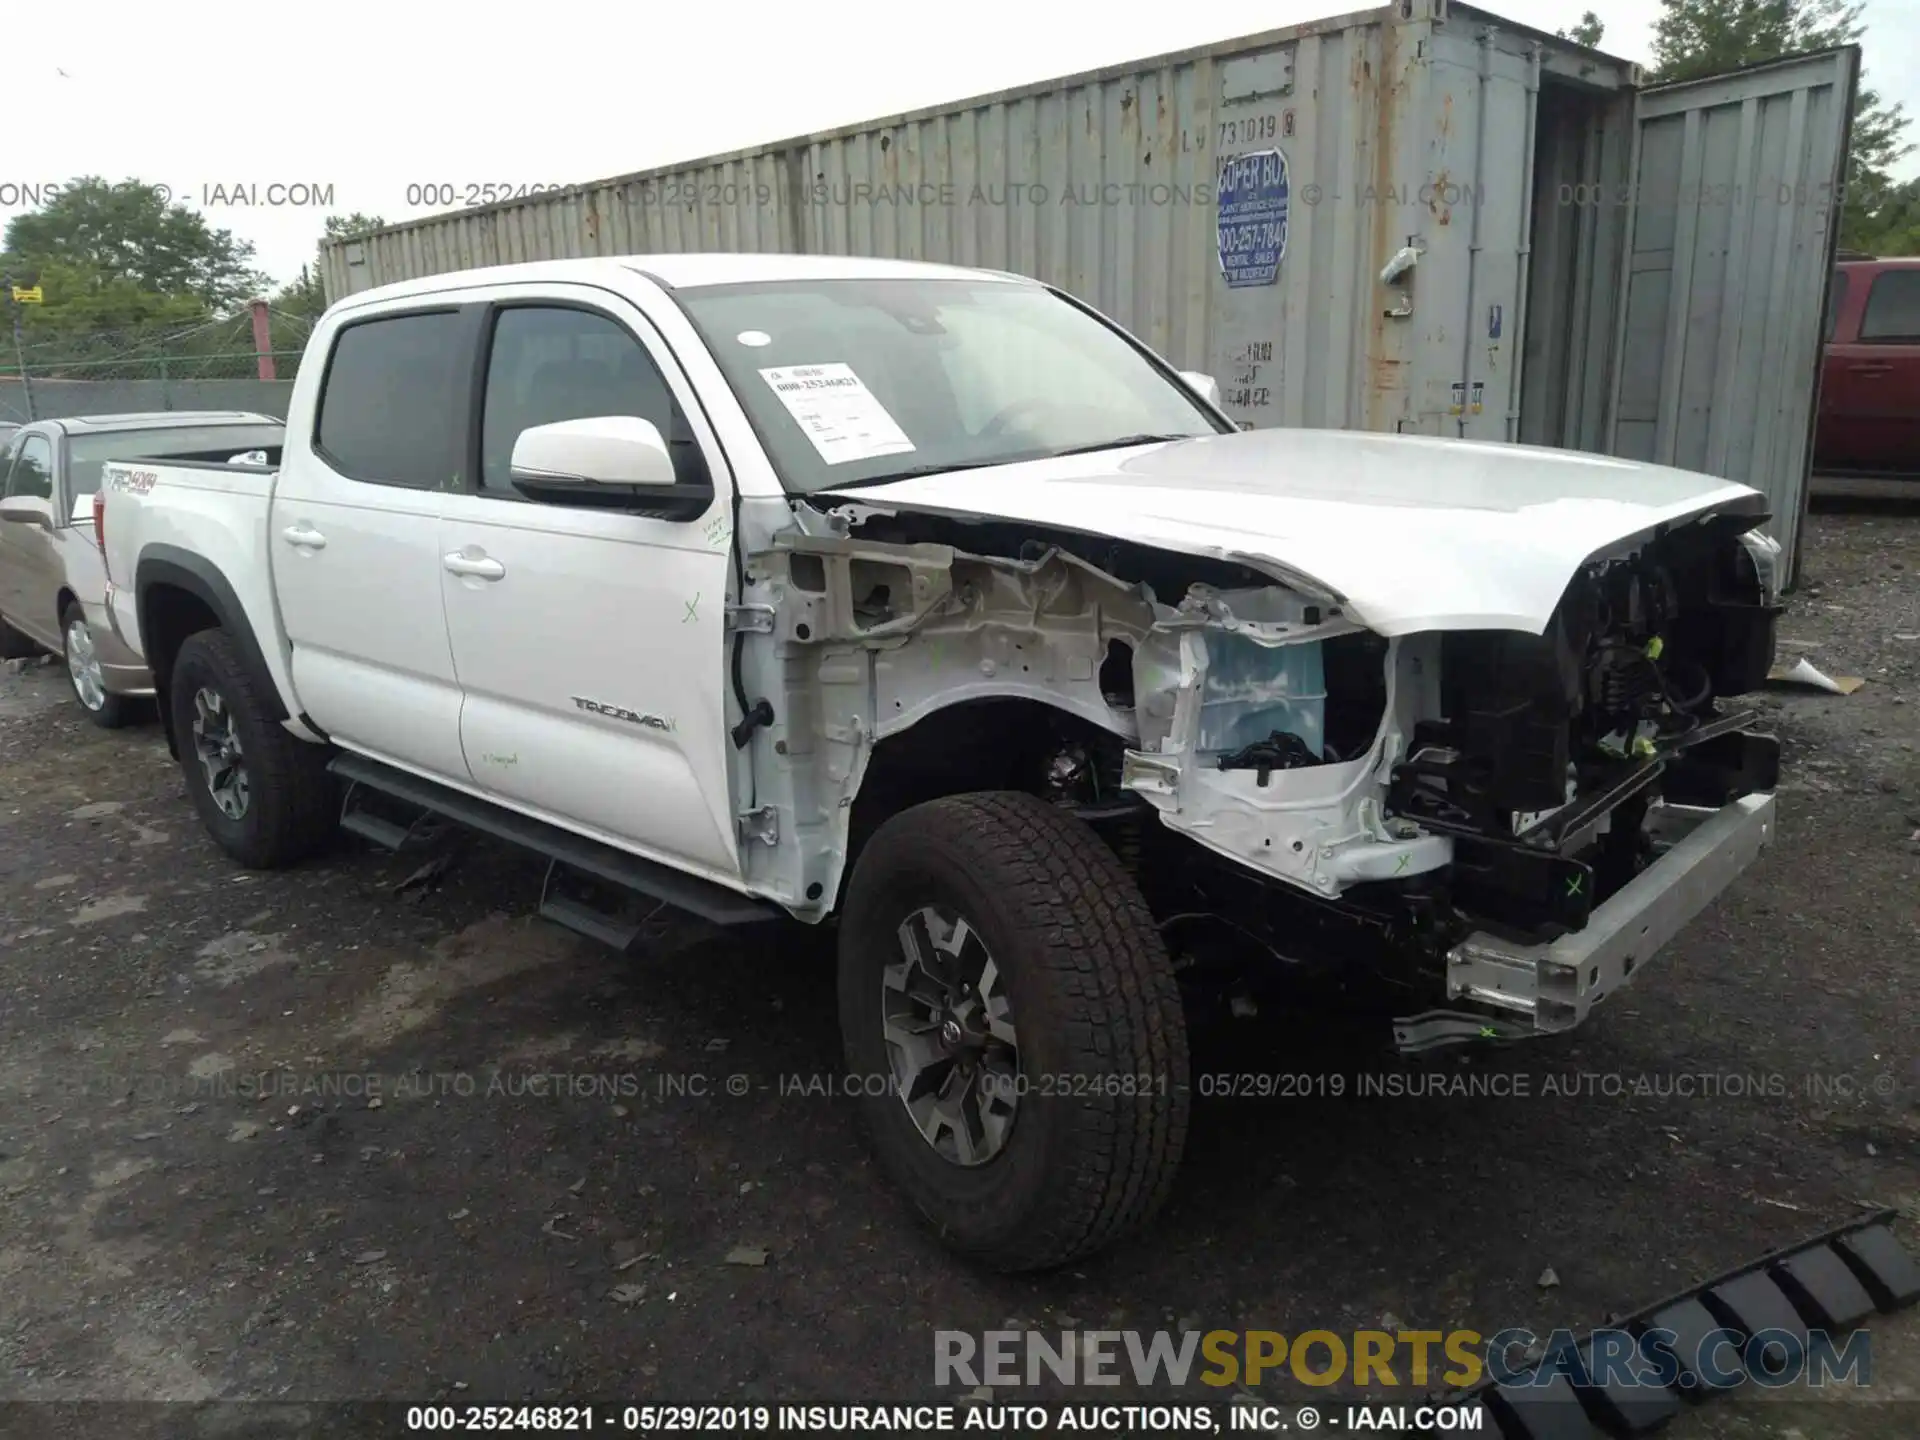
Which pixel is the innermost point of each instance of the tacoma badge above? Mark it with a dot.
(619, 712)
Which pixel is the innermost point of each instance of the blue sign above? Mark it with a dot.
(1252, 228)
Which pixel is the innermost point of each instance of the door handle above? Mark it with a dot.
(1870, 367)
(479, 567)
(304, 536)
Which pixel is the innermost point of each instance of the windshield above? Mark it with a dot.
(857, 381)
(86, 454)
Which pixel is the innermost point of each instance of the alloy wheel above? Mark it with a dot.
(217, 744)
(83, 665)
(950, 1037)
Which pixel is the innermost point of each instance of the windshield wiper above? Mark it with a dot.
(1120, 443)
(916, 471)
(913, 473)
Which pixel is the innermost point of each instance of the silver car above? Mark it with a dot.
(53, 580)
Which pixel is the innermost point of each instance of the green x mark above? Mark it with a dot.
(1575, 882)
(1487, 1032)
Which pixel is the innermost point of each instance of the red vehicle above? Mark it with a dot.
(1870, 381)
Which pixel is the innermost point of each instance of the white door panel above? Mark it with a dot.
(354, 541)
(622, 612)
(590, 644)
(357, 573)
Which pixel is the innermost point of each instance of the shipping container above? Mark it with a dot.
(1425, 218)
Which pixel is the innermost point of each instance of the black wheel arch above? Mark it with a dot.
(988, 743)
(177, 593)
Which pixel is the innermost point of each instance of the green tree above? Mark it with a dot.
(134, 232)
(93, 324)
(1587, 32)
(1892, 226)
(302, 296)
(345, 227)
(1702, 37)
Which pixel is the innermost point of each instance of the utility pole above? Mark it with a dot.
(262, 340)
(17, 298)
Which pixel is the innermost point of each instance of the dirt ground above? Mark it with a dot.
(305, 1136)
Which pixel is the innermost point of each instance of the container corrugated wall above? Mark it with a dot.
(1015, 174)
(1395, 127)
(1107, 189)
(1729, 253)
(741, 203)
(1553, 292)
(1590, 266)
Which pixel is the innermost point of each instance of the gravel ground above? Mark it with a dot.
(497, 1163)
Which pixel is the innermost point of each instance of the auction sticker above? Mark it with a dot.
(844, 420)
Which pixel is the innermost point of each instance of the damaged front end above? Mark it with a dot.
(1502, 825)
(1533, 816)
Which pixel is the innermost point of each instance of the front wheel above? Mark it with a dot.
(1014, 1030)
(84, 672)
(265, 796)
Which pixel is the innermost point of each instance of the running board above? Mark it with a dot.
(1804, 1303)
(360, 815)
(571, 857)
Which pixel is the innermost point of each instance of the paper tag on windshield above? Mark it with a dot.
(844, 420)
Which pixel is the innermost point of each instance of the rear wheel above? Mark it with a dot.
(265, 796)
(85, 674)
(1013, 1029)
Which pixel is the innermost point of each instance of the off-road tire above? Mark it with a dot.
(291, 809)
(1103, 1115)
(115, 710)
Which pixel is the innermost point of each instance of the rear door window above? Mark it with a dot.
(392, 403)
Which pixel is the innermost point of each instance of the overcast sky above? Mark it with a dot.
(200, 93)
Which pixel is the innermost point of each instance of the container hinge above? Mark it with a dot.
(752, 619)
(762, 825)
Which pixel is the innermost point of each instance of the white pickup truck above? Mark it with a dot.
(929, 600)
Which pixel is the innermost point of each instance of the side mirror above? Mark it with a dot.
(605, 462)
(1203, 385)
(600, 450)
(27, 510)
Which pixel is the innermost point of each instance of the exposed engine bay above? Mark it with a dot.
(1284, 781)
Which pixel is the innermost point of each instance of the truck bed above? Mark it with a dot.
(203, 519)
